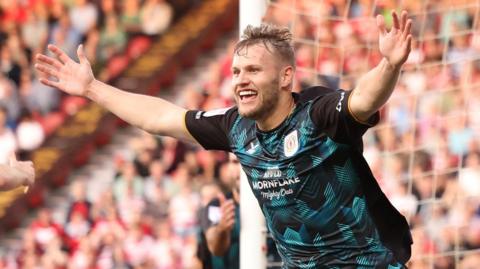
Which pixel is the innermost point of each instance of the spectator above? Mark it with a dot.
(9, 99)
(142, 162)
(130, 16)
(113, 38)
(29, 133)
(83, 16)
(220, 223)
(128, 181)
(44, 229)
(8, 65)
(167, 247)
(158, 185)
(156, 16)
(54, 256)
(184, 205)
(34, 31)
(64, 35)
(137, 246)
(38, 97)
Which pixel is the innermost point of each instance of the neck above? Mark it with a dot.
(277, 115)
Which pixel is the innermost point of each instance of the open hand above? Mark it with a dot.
(395, 45)
(64, 73)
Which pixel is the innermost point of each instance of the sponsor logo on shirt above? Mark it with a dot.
(253, 148)
(339, 105)
(268, 184)
(290, 144)
(272, 172)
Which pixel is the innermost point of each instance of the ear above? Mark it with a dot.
(286, 77)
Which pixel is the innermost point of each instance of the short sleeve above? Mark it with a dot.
(331, 114)
(210, 128)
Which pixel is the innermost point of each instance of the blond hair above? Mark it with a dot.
(272, 37)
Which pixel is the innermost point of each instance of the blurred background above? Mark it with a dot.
(111, 196)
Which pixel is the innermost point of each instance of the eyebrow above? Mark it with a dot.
(250, 66)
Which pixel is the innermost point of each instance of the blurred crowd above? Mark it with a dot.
(146, 217)
(30, 111)
(425, 152)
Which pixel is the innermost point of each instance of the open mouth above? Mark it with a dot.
(247, 95)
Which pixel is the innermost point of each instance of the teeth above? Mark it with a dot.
(244, 93)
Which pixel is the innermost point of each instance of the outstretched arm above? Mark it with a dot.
(375, 87)
(151, 114)
(16, 174)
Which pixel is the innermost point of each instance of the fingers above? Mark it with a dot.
(381, 25)
(221, 198)
(50, 83)
(62, 56)
(228, 207)
(408, 29)
(403, 19)
(49, 61)
(46, 70)
(409, 42)
(396, 22)
(228, 214)
(81, 55)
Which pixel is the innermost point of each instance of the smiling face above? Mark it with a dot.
(256, 81)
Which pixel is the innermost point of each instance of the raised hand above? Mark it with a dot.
(395, 45)
(64, 73)
(24, 169)
(227, 207)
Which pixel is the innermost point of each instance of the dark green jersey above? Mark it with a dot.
(307, 177)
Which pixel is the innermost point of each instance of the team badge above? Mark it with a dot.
(290, 144)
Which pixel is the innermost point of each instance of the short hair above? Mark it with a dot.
(271, 36)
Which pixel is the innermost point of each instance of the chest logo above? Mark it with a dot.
(290, 144)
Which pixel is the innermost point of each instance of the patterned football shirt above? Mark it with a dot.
(306, 176)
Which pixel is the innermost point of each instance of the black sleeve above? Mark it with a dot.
(210, 128)
(331, 115)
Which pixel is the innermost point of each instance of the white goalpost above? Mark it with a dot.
(253, 230)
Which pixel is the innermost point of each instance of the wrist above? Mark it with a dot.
(91, 90)
(389, 66)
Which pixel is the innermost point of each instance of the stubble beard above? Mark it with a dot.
(268, 103)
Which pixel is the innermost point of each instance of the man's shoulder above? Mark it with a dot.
(311, 93)
(226, 111)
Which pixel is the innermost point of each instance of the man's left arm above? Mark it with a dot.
(375, 87)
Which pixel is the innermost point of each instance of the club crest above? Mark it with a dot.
(290, 144)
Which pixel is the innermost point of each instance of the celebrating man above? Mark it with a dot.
(301, 153)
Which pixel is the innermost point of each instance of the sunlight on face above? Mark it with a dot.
(255, 81)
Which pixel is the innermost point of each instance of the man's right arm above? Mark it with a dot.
(149, 113)
(146, 112)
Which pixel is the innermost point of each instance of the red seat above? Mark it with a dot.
(71, 104)
(116, 65)
(137, 46)
(51, 122)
